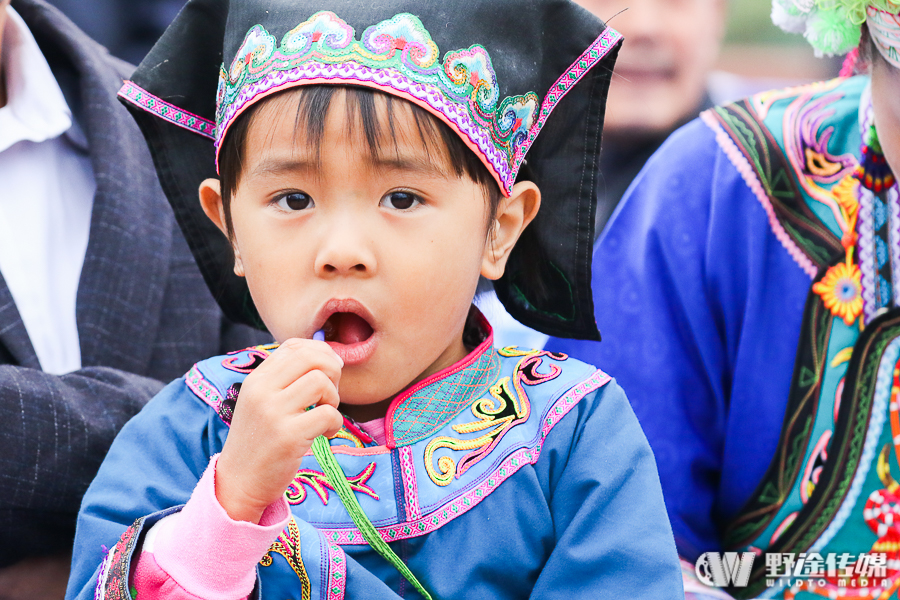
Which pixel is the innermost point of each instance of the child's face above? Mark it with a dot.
(384, 254)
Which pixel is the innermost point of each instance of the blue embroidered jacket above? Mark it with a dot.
(512, 474)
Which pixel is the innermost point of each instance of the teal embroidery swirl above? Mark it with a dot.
(400, 48)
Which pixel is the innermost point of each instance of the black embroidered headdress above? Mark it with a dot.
(497, 72)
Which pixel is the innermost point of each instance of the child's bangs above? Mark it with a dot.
(373, 116)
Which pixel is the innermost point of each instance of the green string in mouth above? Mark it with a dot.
(338, 480)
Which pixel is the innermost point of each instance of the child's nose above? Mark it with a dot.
(346, 250)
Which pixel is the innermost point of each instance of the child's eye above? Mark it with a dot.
(295, 201)
(401, 200)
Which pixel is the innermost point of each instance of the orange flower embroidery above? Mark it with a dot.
(846, 192)
(841, 291)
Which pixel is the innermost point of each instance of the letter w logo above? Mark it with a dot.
(721, 570)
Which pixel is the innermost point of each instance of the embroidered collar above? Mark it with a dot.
(433, 402)
(412, 416)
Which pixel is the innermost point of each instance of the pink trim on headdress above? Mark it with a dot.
(138, 96)
(394, 83)
(428, 97)
(884, 28)
(594, 54)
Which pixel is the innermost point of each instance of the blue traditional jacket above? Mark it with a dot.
(748, 296)
(512, 474)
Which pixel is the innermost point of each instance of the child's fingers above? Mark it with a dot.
(293, 359)
(321, 420)
(313, 388)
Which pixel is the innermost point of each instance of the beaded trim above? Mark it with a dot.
(410, 487)
(471, 498)
(203, 388)
(337, 570)
(595, 52)
(866, 258)
(879, 219)
(141, 98)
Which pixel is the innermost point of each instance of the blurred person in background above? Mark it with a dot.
(101, 302)
(754, 273)
(660, 83)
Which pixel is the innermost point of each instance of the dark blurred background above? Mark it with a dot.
(753, 47)
(129, 28)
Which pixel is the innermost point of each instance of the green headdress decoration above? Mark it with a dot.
(832, 26)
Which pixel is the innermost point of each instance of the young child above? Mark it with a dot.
(368, 161)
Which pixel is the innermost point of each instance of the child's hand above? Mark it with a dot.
(271, 429)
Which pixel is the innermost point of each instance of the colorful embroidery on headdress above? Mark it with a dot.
(499, 412)
(398, 54)
(288, 546)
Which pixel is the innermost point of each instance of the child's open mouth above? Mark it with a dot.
(348, 330)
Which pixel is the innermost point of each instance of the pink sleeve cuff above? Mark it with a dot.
(208, 554)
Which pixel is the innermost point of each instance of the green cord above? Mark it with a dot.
(336, 477)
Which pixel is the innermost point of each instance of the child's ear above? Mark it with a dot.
(211, 201)
(513, 216)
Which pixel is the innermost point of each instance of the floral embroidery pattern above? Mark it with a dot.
(841, 291)
(288, 546)
(473, 496)
(502, 410)
(317, 482)
(402, 44)
(880, 513)
(841, 288)
(399, 54)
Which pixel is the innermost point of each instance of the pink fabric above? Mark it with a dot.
(201, 553)
(375, 429)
